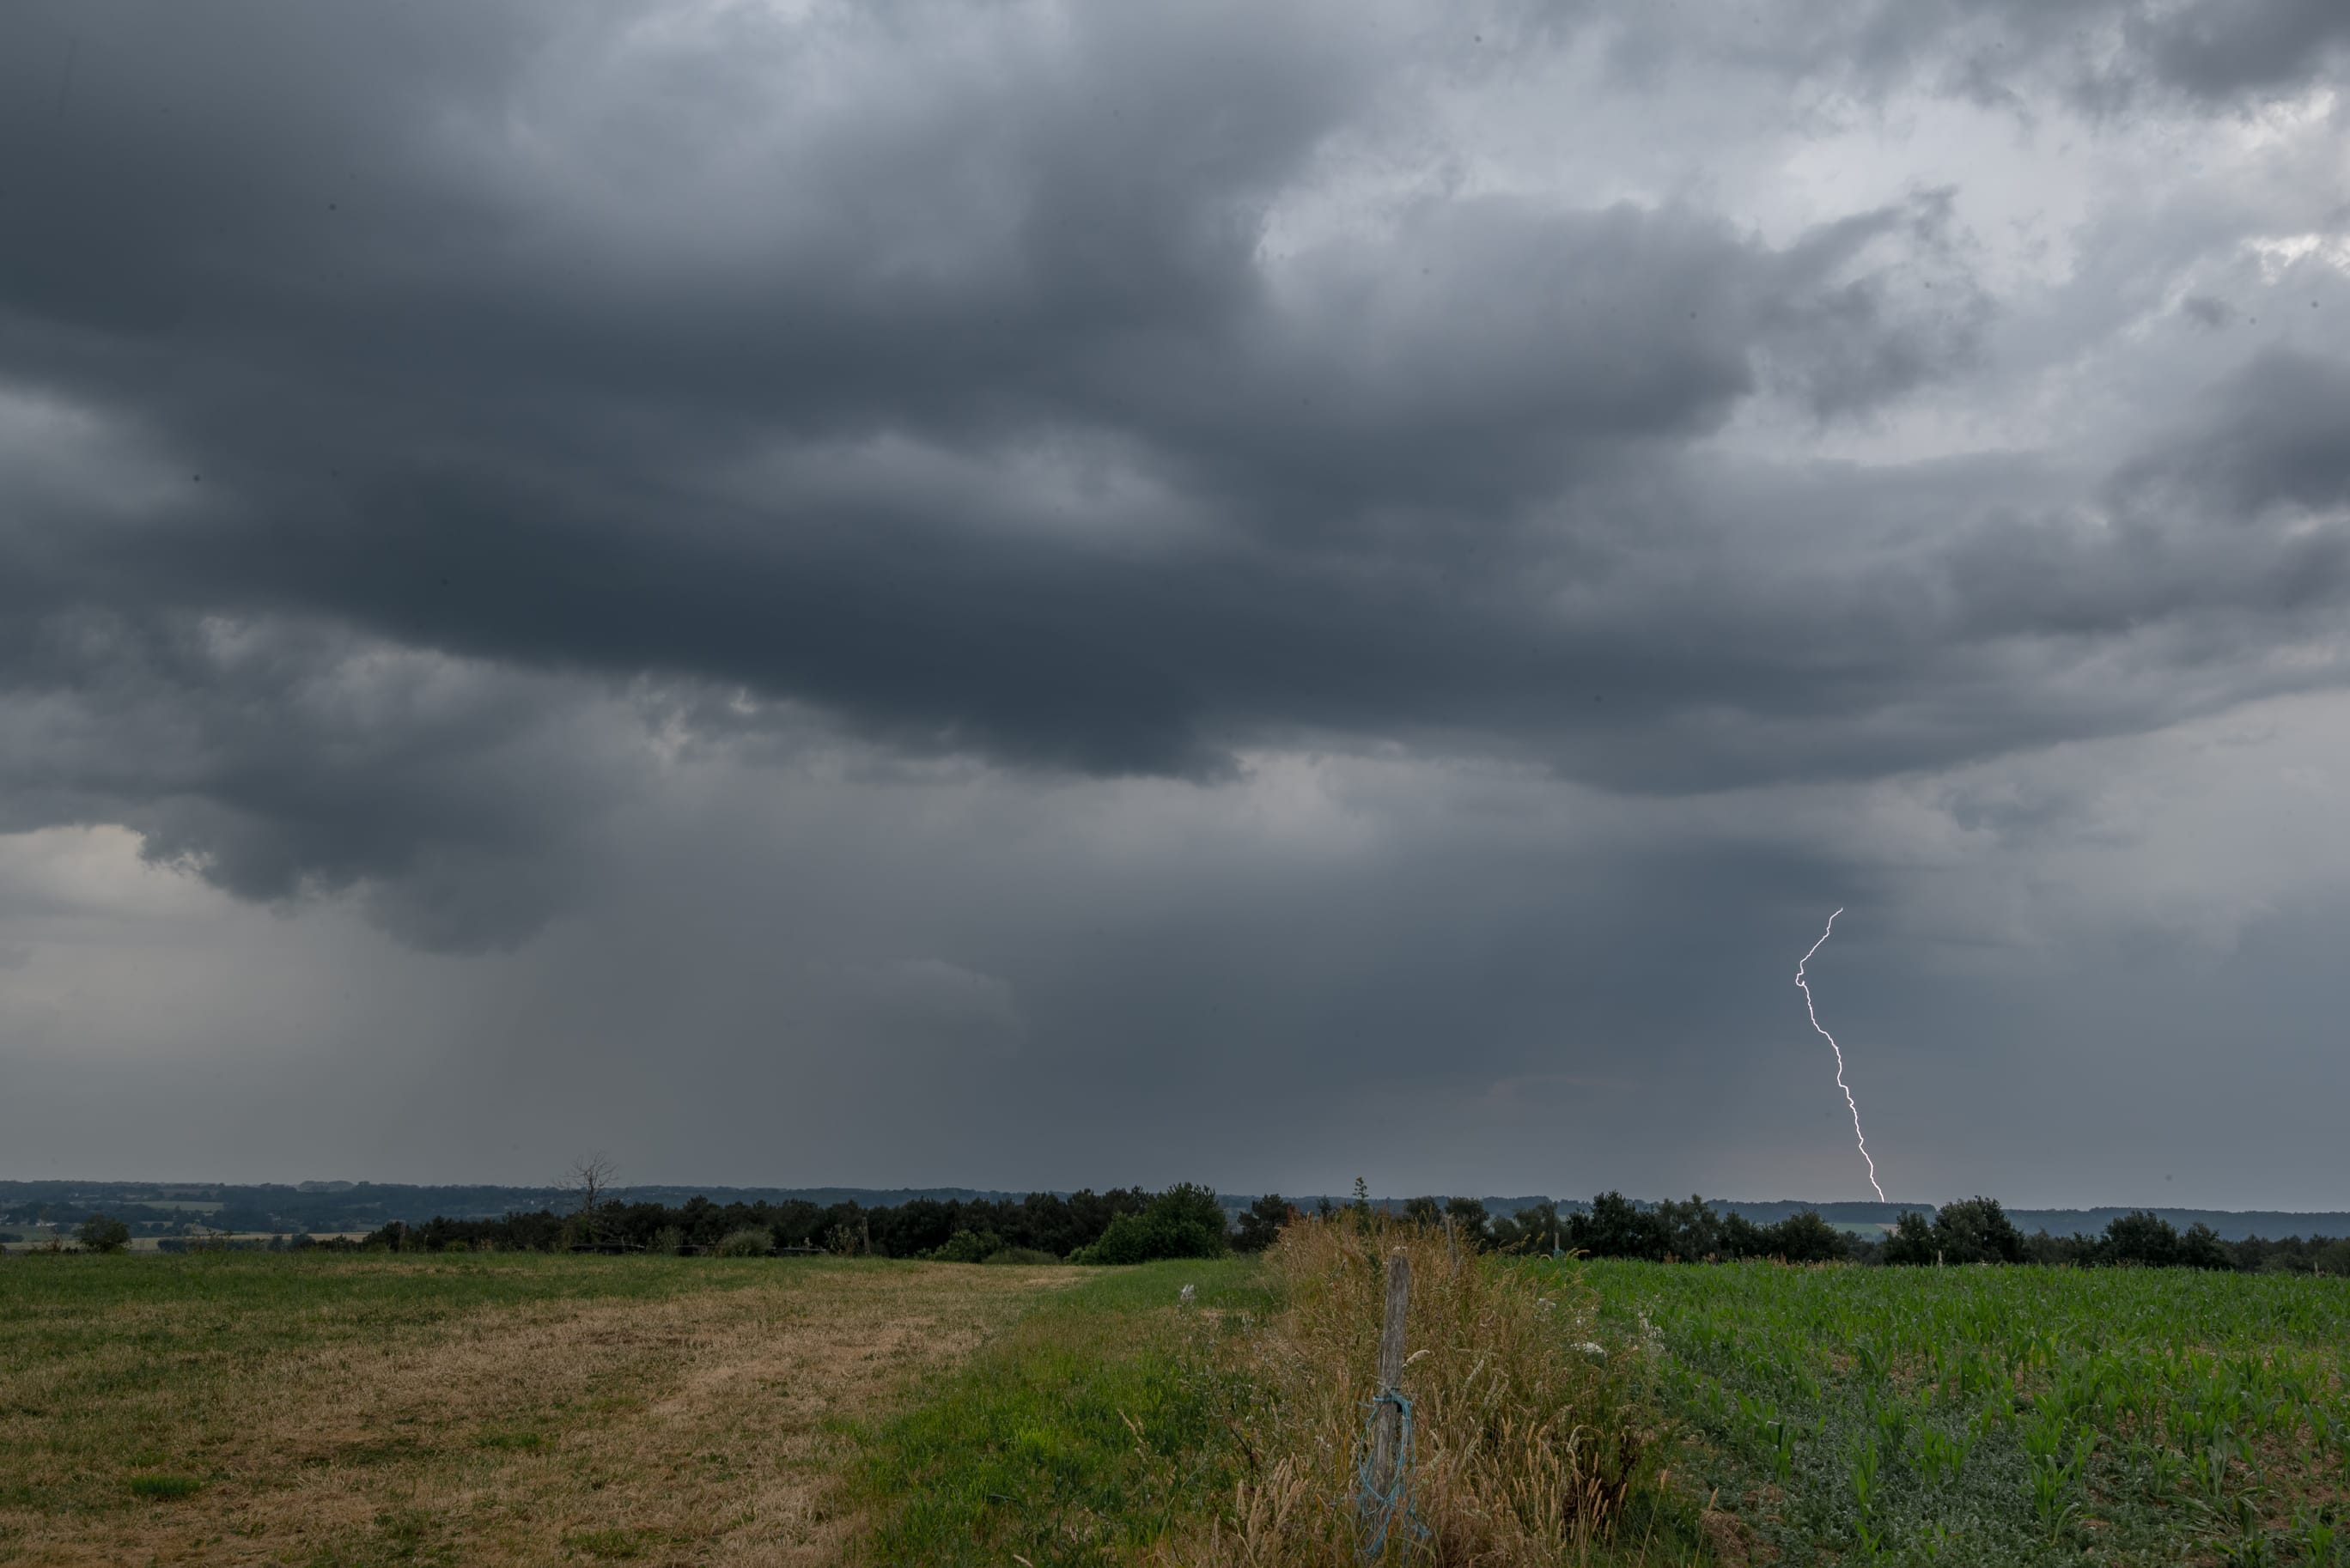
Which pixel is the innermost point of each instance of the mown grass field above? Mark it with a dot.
(2005, 1416)
(505, 1408)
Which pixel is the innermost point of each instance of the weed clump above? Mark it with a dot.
(165, 1488)
(1532, 1443)
(752, 1242)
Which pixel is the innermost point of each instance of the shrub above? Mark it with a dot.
(2141, 1237)
(1803, 1238)
(1614, 1228)
(668, 1242)
(2059, 1251)
(1911, 1239)
(969, 1247)
(2200, 1248)
(753, 1242)
(1019, 1255)
(1261, 1223)
(101, 1234)
(1184, 1221)
(1977, 1231)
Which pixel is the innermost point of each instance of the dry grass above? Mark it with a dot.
(701, 1416)
(1528, 1445)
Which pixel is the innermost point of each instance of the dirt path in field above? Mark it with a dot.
(707, 1427)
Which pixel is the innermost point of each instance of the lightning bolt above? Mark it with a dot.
(1848, 1100)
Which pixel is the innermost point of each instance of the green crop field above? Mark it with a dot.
(2004, 1414)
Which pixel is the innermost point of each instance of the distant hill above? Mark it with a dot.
(322, 1207)
(2231, 1224)
(335, 1205)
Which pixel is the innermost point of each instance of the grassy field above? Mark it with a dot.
(2005, 1416)
(1106, 1419)
(321, 1410)
(1118, 1424)
(504, 1408)
(325, 1410)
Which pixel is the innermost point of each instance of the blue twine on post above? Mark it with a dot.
(1379, 1507)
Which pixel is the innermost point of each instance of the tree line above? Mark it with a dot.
(1973, 1230)
(1977, 1230)
(1126, 1224)
(1132, 1225)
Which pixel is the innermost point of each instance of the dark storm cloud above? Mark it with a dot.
(2218, 47)
(284, 760)
(2107, 51)
(947, 369)
(2106, 54)
(2275, 439)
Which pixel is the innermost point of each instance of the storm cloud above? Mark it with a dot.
(1077, 554)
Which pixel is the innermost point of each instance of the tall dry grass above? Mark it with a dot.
(1529, 1438)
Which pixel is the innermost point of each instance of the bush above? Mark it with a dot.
(1019, 1255)
(748, 1243)
(100, 1234)
(668, 1242)
(2059, 1251)
(1911, 1239)
(2148, 1239)
(1972, 1230)
(1184, 1221)
(1261, 1223)
(2202, 1248)
(1614, 1228)
(969, 1247)
(1803, 1238)
(1977, 1231)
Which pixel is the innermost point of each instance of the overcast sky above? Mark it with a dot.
(1034, 596)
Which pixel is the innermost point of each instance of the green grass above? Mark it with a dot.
(2008, 1416)
(608, 1544)
(1094, 1426)
(517, 1441)
(165, 1487)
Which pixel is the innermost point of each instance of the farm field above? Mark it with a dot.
(1090, 1432)
(335, 1411)
(1981, 1416)
(501, 1408)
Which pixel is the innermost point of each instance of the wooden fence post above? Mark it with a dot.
(1386, 1448)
